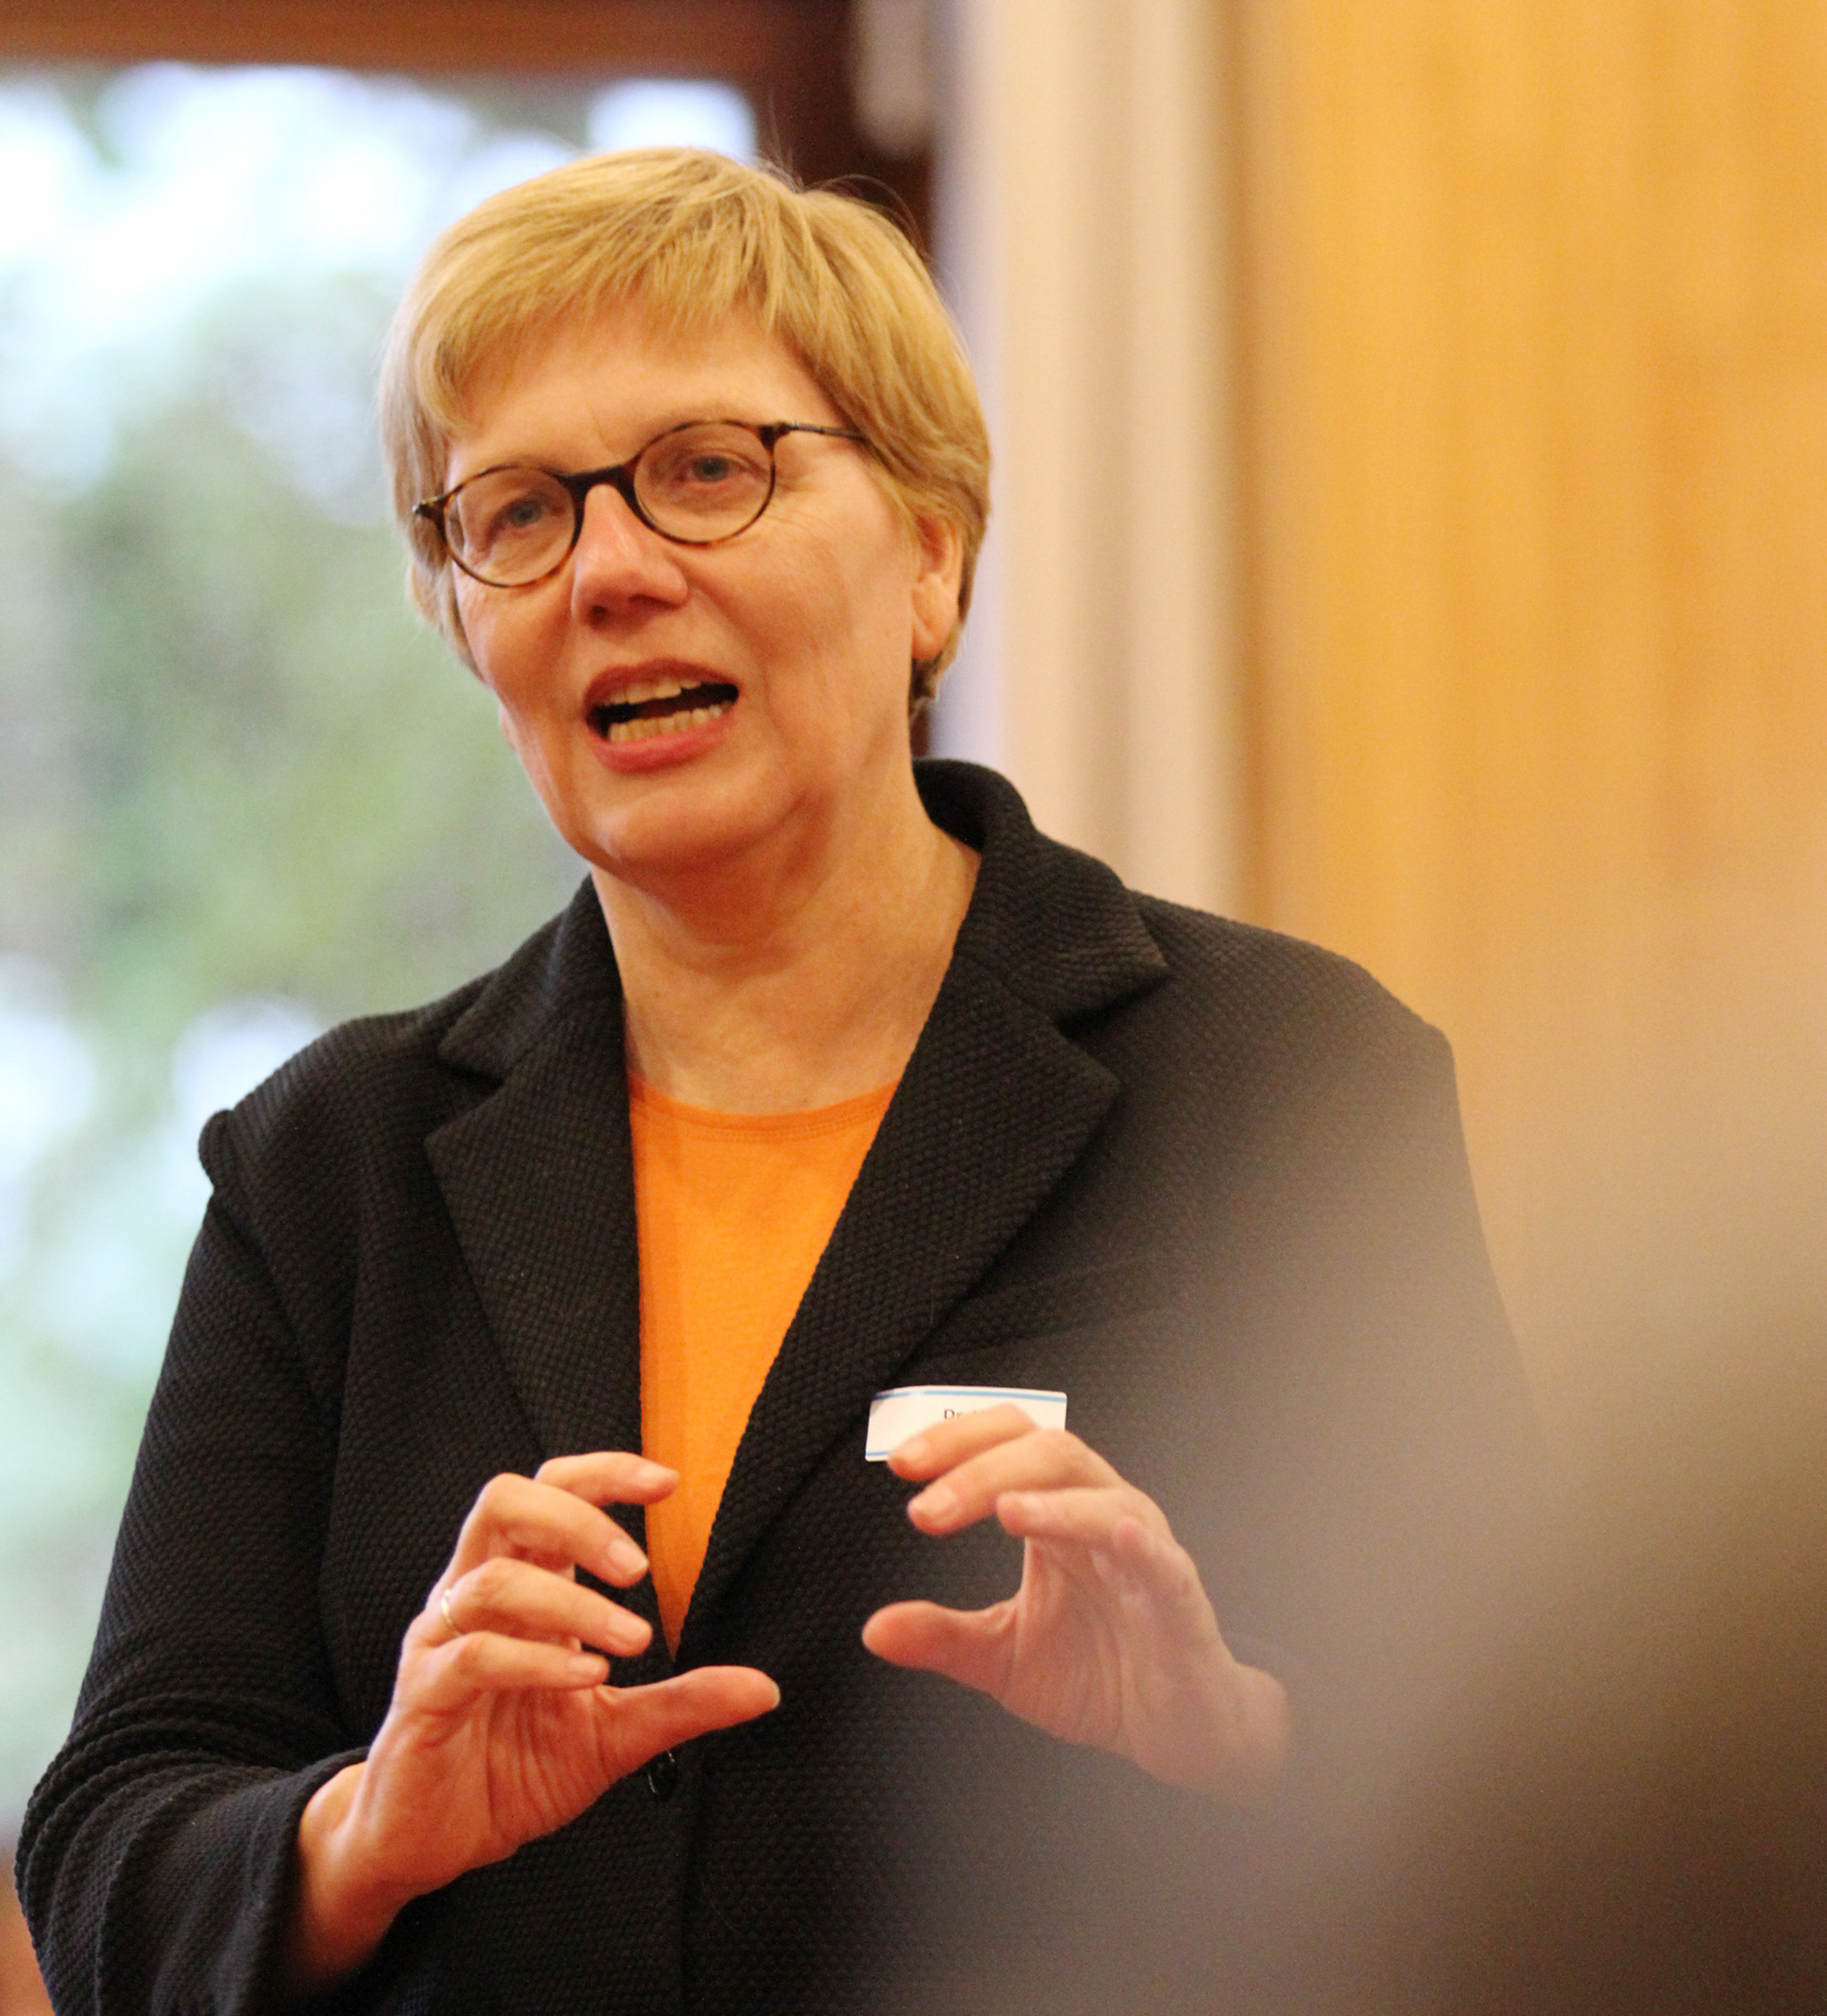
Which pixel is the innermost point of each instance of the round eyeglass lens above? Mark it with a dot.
(509, 526)
(704, 482)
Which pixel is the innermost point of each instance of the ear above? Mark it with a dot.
(938, 567)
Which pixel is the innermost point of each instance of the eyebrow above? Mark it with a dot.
(677, 416)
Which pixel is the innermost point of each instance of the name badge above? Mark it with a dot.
(904, 1410)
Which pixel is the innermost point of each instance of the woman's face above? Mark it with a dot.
(805, 625)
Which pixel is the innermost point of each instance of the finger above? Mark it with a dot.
(615, 1476)
(523, 1600)
(950, 1442)
(484, 1662)
(667, 1712)
(540, 1522)
(972, 1646)
(1044, 1459)
(1082, 1516)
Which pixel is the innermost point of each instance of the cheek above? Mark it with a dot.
(473, 620)
(846, 606)
(501, 645)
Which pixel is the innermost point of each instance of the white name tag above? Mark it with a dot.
(904, 1410)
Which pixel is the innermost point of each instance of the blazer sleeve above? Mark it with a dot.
(157, 1854)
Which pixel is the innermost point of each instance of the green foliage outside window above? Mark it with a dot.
(244, 792)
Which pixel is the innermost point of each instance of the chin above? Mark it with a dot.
(674, 832)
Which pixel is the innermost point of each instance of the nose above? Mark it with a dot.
(618, 563)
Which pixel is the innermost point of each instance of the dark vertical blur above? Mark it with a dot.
(1629, 1814)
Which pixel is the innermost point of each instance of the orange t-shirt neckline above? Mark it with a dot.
(732, 1213)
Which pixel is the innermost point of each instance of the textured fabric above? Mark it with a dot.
(1208, 1181)
(732, 1213)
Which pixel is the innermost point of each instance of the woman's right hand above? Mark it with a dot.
(500, 1728)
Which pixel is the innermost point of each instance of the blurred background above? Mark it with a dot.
(1411, 533)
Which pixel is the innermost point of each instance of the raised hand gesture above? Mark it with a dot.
(1109, 1640)
(501, 1728)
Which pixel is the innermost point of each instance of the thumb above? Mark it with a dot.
(971, 1647)
(647, 1719)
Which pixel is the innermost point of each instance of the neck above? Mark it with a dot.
(798, 975)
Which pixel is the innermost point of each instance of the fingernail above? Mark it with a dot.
(916, 1449)
(937, 1501)
(626, 1557)
(590, 1666)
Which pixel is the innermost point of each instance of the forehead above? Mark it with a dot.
(598, 391)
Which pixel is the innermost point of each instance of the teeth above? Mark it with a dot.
(649, 689)
(664, 724)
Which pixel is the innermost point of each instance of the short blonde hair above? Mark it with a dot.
(693, 237)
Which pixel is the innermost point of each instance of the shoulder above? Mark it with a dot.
(356, 1084)
(1284, 987)
(1059, 928)
(1216, 1015)
(1252, 1037)
(372, 1090)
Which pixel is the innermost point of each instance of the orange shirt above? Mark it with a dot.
(732, 1212)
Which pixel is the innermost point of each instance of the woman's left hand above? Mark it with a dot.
(1109, 1640)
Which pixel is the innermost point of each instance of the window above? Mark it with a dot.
(243, 793)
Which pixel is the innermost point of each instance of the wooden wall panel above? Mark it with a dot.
(1535, 415)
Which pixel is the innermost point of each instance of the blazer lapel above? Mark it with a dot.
(995, 1106)
(537, 1179)
(934, 1204)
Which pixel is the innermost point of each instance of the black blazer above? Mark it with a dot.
(1208, 1180)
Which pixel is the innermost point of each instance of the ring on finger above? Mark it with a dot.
(450, 1623)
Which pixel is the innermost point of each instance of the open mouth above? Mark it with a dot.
(648, 707)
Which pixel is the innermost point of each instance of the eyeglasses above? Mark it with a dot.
(695, 484)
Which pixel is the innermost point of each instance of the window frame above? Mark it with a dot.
(791, 57)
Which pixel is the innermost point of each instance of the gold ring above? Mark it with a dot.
(450, 1623)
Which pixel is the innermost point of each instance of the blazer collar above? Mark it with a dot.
(997, 1104)
(560, 970)
(1054, 926)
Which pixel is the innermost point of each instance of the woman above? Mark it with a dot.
(834, 1078)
